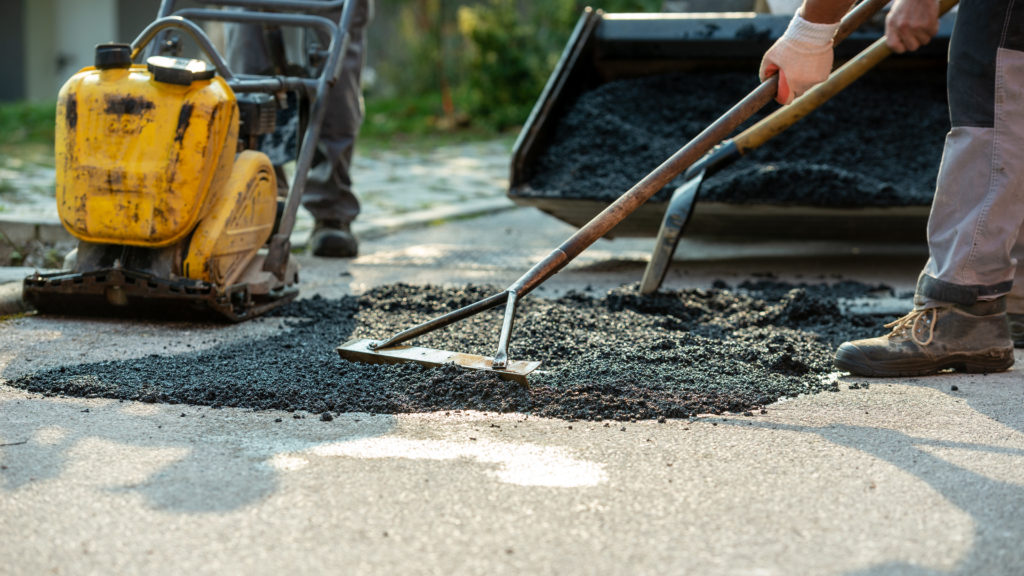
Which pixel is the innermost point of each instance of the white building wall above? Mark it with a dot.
(61, 38)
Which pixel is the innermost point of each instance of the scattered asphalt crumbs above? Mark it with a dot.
(878, 143)
(621, 356)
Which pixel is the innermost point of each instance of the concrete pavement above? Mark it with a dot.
(916, 476)
(905, 478)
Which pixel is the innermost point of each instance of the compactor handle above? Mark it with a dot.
(279, 5)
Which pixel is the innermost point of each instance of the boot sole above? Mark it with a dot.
(853, 360)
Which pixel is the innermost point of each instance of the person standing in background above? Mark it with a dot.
(328, 195)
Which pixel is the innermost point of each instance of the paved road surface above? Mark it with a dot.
(901, 477)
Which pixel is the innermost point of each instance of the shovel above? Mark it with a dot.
(389, 351)
(680, 207)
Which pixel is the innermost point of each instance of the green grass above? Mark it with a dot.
(386, 117)
(26, 133)
(417, 123)
(412, 122)
(26, 123)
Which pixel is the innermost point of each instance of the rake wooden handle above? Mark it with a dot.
(618, 210)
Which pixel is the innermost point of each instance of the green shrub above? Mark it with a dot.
(511, 49)
(506, 64)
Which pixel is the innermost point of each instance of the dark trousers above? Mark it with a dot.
(328, 195)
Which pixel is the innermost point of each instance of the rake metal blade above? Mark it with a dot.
(358, 350)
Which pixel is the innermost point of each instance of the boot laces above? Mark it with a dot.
(911, 323)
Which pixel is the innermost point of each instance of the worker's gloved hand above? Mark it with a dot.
(911, 24)
(802, 57)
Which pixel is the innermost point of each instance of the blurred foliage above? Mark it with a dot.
(27, 123)
(488, 60)
(471, 66)
(507, 59)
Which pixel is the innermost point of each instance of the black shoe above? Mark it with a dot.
(331, 239)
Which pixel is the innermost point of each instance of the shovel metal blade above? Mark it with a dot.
(358, 350)
(678, 213)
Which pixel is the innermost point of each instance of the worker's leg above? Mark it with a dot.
(960, 316)
(979, 202)
(247, 53)
(328, 193)
(246, 49)
(1015, 300)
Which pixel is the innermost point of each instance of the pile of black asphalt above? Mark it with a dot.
(617, 356)
(879, 143)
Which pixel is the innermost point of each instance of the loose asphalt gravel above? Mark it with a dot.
(619, 356)
(878, 143)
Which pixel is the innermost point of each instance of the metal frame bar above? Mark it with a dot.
(282, 5)
(198, 34)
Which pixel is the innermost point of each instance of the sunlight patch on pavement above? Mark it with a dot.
(288, 463)
(5, 359)
(115, 464)
(11, 339)
(519, 464)
(141, 409)
(49, 435)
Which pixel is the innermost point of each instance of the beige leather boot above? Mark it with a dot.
(972, 338)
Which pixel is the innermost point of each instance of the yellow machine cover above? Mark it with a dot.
(136, 158)
(238, 223)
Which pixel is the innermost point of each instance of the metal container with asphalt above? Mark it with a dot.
(632, 88)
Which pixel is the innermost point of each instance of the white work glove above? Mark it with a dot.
(802, 57)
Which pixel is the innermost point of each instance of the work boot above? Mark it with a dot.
(972, 338)
(1016, 329)
(333, 239)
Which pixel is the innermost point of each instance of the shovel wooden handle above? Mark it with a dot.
(784, 117)
(675, 165)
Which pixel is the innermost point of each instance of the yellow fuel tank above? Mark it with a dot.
(137, 156)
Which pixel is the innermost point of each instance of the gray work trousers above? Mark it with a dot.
(975, 234)
(328, 195)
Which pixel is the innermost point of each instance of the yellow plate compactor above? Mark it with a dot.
(175, 210)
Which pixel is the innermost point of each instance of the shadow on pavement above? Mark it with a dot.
(185, 459)
(994, 505)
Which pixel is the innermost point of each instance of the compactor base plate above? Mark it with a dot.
(123, 292)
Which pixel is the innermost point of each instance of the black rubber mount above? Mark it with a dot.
(113, 55)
